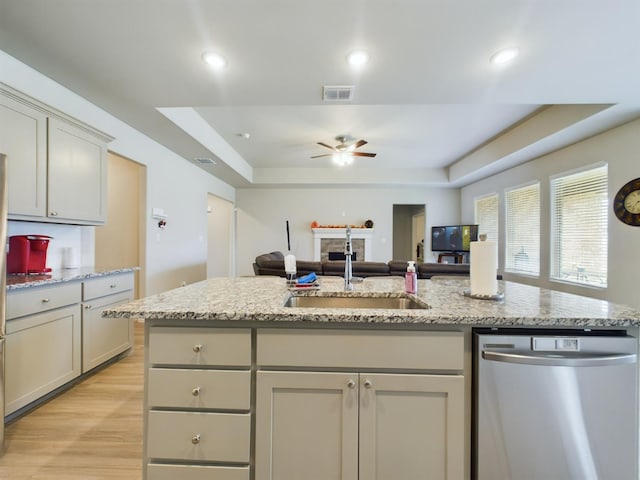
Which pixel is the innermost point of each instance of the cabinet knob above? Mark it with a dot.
(87, 307)
(195, 392)
(53, 214)
(197, 348)
(195, 439)
(351, 384)
(367, 384)
(113, 285)
(45, 300)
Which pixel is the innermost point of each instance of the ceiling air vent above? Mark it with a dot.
(337, 93)
(205, 161)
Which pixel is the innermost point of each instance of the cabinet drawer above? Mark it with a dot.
(361, 349)
(32, 300)
(195, 472)
(99, 287)
(200, 346)
(180, 388)
(207, 437)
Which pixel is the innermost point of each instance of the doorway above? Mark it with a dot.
(409, 223)
(120, 242)
(220, 237)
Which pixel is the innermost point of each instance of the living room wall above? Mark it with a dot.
(262, 213)
(617, 147)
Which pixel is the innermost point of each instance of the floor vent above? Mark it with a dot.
(337, 93)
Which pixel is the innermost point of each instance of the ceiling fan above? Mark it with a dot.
(345, 148)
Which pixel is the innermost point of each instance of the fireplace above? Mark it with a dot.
(327, 240)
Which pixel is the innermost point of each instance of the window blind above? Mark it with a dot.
(486, 216)
(522, 230)
(579, 239)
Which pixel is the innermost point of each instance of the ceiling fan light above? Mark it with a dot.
(341, 159)
(505, 55)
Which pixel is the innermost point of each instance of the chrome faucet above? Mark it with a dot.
(348, 272)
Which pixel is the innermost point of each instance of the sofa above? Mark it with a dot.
(273, 264)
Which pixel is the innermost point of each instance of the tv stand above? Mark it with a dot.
(457, 257)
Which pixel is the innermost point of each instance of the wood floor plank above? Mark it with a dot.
(91, 432)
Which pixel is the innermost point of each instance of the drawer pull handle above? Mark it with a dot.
(197, 348)
(351, 384)
(195, 392)
(368, 384)
(195, 439)
(45, 300)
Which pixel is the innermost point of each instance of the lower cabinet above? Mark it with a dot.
(198, 418)
(51, 340)
(104, 338)
(295, 403)
(350, 426)
(43, 343)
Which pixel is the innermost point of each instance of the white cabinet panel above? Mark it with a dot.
(195, 472)
(200, 436)
(42, 353)
(23, 137)
(306, 426)
(77, 174)
(104, 338)
(412, 424)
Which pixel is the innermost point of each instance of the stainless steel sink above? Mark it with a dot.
(399, 302)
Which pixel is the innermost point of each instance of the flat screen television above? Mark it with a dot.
(453, 238)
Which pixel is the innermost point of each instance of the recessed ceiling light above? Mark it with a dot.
(505, 55)
(357, 58)
(214, 60)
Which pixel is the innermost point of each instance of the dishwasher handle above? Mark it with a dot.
(561, 359)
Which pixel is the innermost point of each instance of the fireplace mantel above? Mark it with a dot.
(340, 233)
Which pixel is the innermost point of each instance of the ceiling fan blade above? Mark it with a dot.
(360, 143)
(324, 155)
(363, 154)
(325, 145)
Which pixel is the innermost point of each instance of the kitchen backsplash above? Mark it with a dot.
(77, 237)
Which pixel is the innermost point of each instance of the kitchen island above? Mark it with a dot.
(252, 389)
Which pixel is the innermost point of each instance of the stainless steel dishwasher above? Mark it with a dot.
(555, 406)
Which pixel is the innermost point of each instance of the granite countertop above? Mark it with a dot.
(261, 299)
(15, 282)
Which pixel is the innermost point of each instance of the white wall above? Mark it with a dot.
(262, 214)
(173, 255)
(619, 148)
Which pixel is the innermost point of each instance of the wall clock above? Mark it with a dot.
(626, 203)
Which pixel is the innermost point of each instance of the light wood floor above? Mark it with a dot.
(92, 431)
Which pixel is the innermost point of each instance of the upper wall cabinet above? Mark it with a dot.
(77, 178)
(23, 137)
(57, 165)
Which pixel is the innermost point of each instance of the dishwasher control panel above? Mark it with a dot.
(555, 344)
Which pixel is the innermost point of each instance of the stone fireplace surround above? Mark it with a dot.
(327, 240)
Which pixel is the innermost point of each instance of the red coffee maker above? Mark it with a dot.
(28, 254)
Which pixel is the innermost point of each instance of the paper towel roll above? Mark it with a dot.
(290, 264)
(70, 257)
(483, 269)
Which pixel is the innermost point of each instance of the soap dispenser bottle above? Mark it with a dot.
(411, 278)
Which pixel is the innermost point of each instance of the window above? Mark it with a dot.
(579, 208)
(522, 228)
(487, 216)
